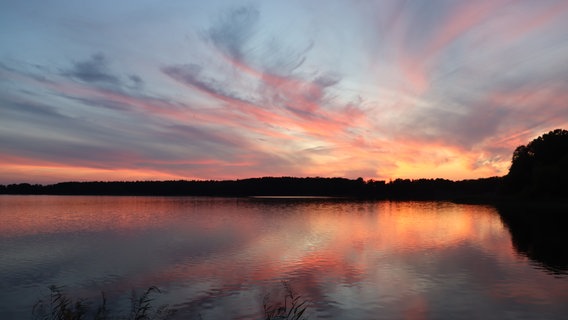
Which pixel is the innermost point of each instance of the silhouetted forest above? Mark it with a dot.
(538, 170)
(271, 186)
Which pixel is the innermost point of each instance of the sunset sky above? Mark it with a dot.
(156, 90)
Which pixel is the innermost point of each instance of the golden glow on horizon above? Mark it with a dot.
(454, 169)
(339, 163)
(46, 174)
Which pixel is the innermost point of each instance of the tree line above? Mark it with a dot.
(269, 186)
(538, 170)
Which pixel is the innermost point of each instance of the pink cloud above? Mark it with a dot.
(531, 22)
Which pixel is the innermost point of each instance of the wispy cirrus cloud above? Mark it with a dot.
(96, 71)
(454, 68)
(268, 88)
(222, 90)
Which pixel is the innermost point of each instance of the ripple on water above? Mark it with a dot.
(351, 261)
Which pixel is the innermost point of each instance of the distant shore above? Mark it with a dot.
(435, 189)
(475, 191)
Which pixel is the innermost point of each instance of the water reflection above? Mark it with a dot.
(219, 257)
(540, 234)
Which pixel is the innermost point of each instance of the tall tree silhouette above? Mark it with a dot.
(541, 167)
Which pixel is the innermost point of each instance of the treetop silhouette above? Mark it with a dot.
(541, 167)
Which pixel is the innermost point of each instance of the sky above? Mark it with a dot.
(162, 90)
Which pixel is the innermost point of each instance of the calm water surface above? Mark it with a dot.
(218, 258)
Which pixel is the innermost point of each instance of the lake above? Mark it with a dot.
(220, 258)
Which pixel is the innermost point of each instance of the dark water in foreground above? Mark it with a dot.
(218, 258)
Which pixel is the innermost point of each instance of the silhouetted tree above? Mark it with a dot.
(541, 167)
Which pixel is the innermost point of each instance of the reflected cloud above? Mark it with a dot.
(414, 257)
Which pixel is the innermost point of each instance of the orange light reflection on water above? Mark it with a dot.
(336, 242)
(348, 253)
